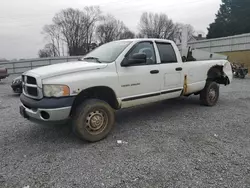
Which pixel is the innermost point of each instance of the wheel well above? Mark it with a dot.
(100, 92)
(216, 74)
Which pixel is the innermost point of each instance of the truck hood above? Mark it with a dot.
(64, 68)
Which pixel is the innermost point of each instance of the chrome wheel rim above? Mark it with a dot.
(96, 122)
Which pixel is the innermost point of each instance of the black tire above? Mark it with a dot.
(210, 94)
(87, 118)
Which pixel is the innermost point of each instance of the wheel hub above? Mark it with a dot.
(96, 121)
(212, 94)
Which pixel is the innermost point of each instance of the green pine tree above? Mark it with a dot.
(232, 18)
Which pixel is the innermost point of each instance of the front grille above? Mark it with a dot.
(30, 86)
(32, 91)
(31, 80)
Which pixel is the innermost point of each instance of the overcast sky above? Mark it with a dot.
(21, 21)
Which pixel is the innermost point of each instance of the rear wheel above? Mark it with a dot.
(210, 94)
(93, 120)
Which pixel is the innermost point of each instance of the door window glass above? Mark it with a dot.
(146, 48)
(167, 53)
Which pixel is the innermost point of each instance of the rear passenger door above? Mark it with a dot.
(171, 73)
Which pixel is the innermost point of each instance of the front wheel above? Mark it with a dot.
(93, 120)
(210, 94)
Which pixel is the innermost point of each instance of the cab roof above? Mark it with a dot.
(147, 39)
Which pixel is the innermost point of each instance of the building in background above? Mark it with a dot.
(237, 47)
(196, 38)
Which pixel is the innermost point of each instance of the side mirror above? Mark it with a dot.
(135, 59)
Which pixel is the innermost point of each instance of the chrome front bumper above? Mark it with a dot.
(47, 109)
(56, 114)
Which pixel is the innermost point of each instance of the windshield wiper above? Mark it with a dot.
(94, 58)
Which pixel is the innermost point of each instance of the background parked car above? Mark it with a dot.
(17, 85)
(3, 73)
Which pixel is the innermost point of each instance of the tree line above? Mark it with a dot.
(233, 18)
(75, 32)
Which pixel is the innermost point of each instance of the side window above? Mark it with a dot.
(167, 53)
(146, 48)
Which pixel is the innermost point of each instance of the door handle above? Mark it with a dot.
(154, 71)
(178, 69)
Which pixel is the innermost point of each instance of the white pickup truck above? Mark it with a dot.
(117, 75)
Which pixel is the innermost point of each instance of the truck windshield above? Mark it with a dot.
(108, 52)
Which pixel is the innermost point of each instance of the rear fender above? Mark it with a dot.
(227, 70)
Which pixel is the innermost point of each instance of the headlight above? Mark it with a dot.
(55, 90)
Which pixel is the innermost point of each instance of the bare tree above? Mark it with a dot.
(69, 21)
(43, 53)
(190, 31)
(54, 37)
(139, 35)
(75, 28)
(48, 51)
(106, 31)
(92, 15)
(78, 29)
(112, 29)
(154, 25)
(127, 34)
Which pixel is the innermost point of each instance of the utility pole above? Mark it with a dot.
(184, 37)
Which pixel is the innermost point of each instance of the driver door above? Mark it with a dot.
(140, 83)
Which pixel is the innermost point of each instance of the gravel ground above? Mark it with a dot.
(175, 143)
